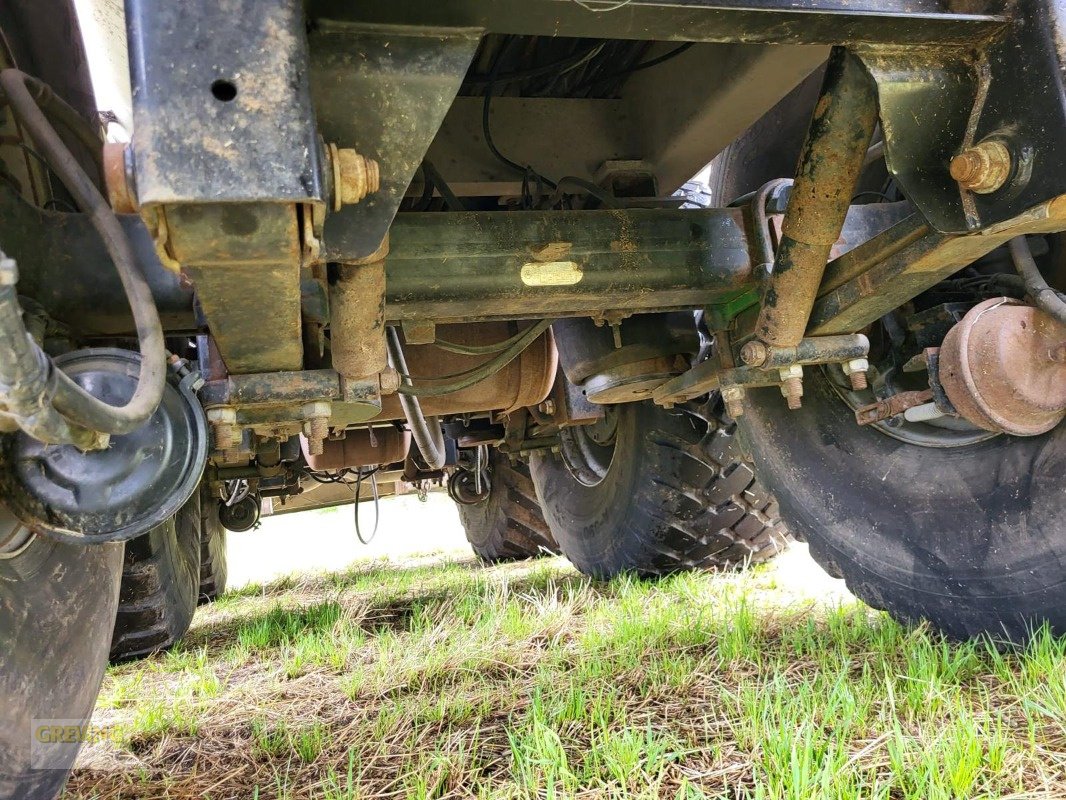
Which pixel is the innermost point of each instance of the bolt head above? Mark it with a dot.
(983, 168)
(754, 353)
(223, 415)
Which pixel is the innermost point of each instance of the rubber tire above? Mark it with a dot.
(160, 586)
(972, 539)
(214, 569)
(57, 607)
(677, 496)
(508, 525)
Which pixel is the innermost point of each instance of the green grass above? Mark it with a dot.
(531, 681)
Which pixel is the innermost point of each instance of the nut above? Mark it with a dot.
(792, 385)
(856, 370)
(547, 407)
(734, 400)
(354, 176)
(754, 353)
(983, 168)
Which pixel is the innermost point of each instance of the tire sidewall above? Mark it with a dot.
(972, 538)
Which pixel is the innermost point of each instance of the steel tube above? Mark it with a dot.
(830, 163)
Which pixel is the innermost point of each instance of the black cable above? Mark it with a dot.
(653, 62)
(377, 509)
(562, 66)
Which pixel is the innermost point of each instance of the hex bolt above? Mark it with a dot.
(856, 370)
(316, 428)
(354, 176)
(224, 427)
(734, 400)
(548, 407)
(754, 353)
(983, 168)
(792, 385)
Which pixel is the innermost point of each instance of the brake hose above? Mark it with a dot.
(1045, 297)
(70, 399)
(425, 431)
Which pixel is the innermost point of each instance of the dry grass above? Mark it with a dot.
(530, 681)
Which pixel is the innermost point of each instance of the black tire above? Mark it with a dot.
(508, 525)
(160, 586)
(214, 569)
(676, 495)
(57, 607)
(971, 538)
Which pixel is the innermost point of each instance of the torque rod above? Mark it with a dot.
(828, 170)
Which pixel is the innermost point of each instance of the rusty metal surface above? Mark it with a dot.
(892, 406)
(357, 319)
(841, 130)
(294, 388)
(1004, 368)
(909, 258)
(359, 447)
(243, 260)
(526, 381)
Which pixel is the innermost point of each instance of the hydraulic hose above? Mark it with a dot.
(1045, 297)
(425, 431)
(25, 375)
(73, 402)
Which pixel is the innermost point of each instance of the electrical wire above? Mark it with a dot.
(462, 380)
(478, 349)
(643, 65)
(560, 67)
(373, 475)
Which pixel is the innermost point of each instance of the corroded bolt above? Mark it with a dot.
(224, 427)
(316, 426)
(734, 400)
(354, 176)
(754, 353)
(792, 385)
(856, 371)
(983, 168)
